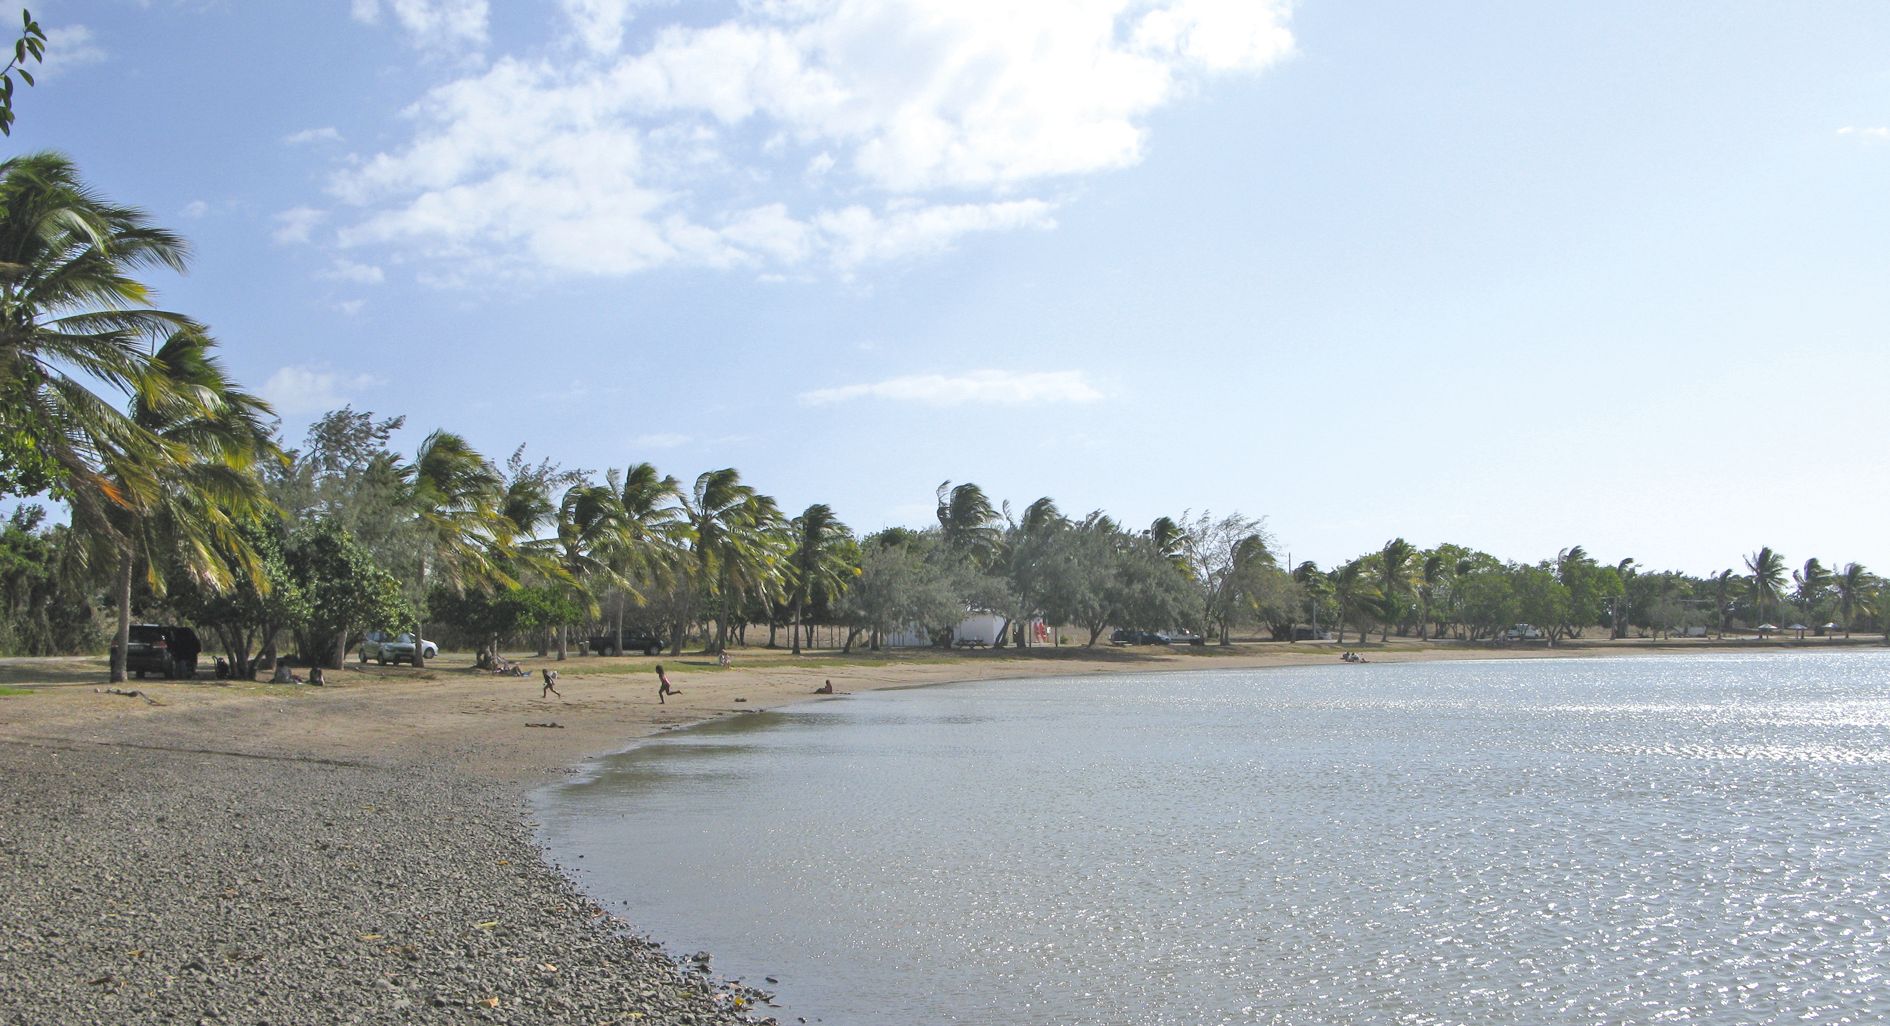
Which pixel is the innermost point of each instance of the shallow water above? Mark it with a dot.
(1665, 840)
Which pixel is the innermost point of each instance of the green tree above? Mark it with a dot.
(30, 46)
(344, 589)
(1768, 580)
(245, 617)
(1433, 580)
(213, 437)
(1855, 588)
(1394, 582)
(72, 317)
(967, 521)
(452, 495)
(1541, 598)
(735, 536)
(1353, 591)
(45, 585)
(1222, 553)
(1810, 586)
(822, 562)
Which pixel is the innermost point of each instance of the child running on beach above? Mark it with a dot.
(662, 687)
(551, 684)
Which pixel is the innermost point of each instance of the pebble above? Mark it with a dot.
(214, 888)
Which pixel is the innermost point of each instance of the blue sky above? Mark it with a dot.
(1517, 276)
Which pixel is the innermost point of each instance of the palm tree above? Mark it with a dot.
(1854, 586)
(967, 521)
(731, 529)
(214, 435)
(1768, 578)
(1809, 586)
(1722, 596)
(1394, 580)
(453, 495)
(1352, 591)
(1433, 574)
(1315, 586)
(818, 560)
(72, 316)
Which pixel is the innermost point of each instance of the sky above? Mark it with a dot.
(1515, 276)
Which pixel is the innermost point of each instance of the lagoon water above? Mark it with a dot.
(1698, 839)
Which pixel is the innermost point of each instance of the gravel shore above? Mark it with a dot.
(361, 852)
(155, 885)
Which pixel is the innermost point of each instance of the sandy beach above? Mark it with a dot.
(360, 852)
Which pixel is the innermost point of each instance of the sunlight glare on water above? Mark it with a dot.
(1597, 841)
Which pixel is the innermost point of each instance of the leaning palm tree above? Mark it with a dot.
(1394, 580)
(73, 317)
(818, 562)
(1768, 579)
(714, 514)
(1855, 588)
(1809, 586)
(453, 496)
(1354, 592)
(967, 522)
(215, 436)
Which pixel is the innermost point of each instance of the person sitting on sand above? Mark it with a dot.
(824, 689)
(551, 684)
(662, 687)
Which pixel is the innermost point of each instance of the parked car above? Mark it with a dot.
(633, 641)
(1183, 638)
(384, 649)
(1523, 632)
(157, 648)
(1128, 636)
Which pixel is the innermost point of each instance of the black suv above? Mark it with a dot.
(171, 651)
(633, 641)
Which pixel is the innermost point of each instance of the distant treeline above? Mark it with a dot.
(185, 504)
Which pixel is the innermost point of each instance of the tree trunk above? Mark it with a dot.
(122, 639)
(419, 627)
(563, 630)
(617, 649)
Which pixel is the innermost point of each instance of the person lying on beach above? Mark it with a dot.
(551, 684)
(824, 689)
(662, 687)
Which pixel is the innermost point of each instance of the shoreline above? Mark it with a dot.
(364, 852)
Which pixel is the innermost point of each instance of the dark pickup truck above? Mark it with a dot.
(633, 641)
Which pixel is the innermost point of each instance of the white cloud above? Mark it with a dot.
(1871, 134)
(196, 209)
(661, 440)
(68, 46)
(438, 26)
(313, 388)
(351, 307)
(795, 133)
(599, 23)
(297, 225)
(993, 387)
(859, 236)
(359, 274)
(326, 133)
